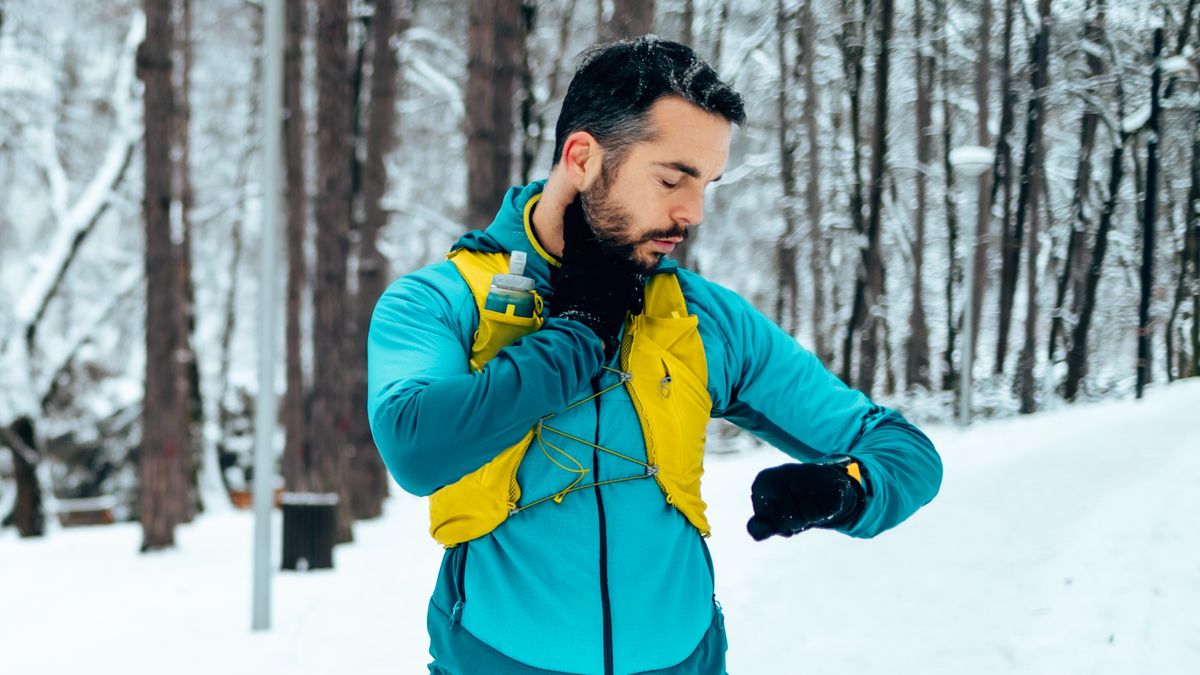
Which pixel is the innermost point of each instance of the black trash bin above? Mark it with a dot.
(309, 526)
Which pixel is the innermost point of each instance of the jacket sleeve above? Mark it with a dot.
(433, 420)
(773, 387)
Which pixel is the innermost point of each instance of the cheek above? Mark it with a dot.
(639, 191)
(644, 205)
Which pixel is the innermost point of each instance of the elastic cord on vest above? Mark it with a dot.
(539, 436)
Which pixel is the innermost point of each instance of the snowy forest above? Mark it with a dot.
(983, 213)
(1036, 162)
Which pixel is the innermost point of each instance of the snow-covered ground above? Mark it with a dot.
(1061, 543)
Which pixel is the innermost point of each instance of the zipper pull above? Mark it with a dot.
(454, 613)
(664, 385)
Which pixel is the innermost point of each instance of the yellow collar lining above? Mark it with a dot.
(529, 231)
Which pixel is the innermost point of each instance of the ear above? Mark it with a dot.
(582, 159)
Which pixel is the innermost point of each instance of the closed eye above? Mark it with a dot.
(667, 184)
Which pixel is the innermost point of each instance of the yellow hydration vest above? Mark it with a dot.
(666, 375)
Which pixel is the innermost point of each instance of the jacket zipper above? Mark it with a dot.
(605, 607)
(459, 585)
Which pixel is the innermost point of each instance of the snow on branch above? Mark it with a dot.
(76, 223)
(1176, 65)
(46, 140)
(449, 51)
(429, 78)
(80, 219)
(125, 285)
(1135, 122)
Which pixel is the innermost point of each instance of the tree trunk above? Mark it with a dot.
(1010, 247)
(163, 488)
(916, 348)
(787, 300)
(1176, 352)
(1014, 240)
(687, 36)
(1073, 271)
(185, 198)
(1193, 250)
(1150, 205)
(530, 130)
(630, 18)
(818, 259)
(873, 272)
(226, 417)
(369, 476)
(852, 41)
(1078, 352)
(983, 183)
(353, 341)
(536, 130)
(950, 379)
(721, 8)
(1185, 27)
(296, 445)
(684, 251)
(27, 515)
(491, 79)
(330, 414)
(1031, 182)
(889, 373)
(1077, 356)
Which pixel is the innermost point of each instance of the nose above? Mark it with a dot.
(689, 210)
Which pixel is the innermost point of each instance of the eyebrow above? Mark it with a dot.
(685, 168)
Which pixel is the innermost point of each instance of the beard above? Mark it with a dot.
(612, 224)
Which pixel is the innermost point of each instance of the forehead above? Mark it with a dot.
(686, 133)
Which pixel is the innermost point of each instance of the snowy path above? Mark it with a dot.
(1062, 543)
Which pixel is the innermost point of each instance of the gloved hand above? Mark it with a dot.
(792, 498)
(594, 286)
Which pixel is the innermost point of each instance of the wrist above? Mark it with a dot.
(594, 323)
(853, 495)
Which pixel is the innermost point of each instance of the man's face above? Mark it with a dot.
(647, 204)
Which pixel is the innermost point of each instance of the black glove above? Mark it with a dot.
(792, 498)
(595, 286)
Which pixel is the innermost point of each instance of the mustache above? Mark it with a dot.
(682, 232)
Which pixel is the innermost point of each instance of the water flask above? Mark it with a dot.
(512, 293)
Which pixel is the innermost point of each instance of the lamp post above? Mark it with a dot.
(265, 414)
(969, 161)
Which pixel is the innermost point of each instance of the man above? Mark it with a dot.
(562, 451)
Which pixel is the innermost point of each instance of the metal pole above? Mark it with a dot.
(968, 352)
(969, 161)
(264, 418)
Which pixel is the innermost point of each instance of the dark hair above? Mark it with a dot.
(616, 83)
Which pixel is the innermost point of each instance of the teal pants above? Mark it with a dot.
(456, 652)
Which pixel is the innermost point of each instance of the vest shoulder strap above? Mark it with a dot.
(664, 297)
(495, 331)
(478, 268)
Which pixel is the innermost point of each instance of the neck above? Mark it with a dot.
(547, 218)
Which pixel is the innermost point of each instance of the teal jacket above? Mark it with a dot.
(612, 576)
